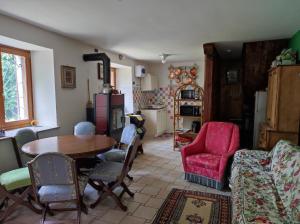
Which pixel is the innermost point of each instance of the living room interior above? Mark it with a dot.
(136, 112)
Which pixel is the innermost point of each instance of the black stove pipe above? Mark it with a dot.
(106, 64)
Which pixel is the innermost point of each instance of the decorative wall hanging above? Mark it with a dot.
(182, 75)
(68, 77)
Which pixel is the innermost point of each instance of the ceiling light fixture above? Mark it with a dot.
(164, 56)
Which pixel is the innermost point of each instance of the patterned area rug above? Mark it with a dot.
(194, 207)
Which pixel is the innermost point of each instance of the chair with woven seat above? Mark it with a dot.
(84, 128)
(118, 154)
(205, 159)
(54, 180)
(15, 184)
(109, 175)
(22, 137)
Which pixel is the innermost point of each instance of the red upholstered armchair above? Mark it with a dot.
(205, 159)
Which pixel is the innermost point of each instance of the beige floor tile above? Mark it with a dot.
(131, 206)
(113, 216)
(154, 202)
(145, 212)
(140, 198)
(151, 190)
(132, 220)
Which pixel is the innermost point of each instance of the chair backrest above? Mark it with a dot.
(130, 156)
(84, 128)
(221, 137)
(22, 137)
(129, 132)
(9, 157)
(53, 169)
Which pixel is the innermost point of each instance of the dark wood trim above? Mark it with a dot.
(211, 57)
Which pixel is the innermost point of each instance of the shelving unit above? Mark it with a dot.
(179, 131)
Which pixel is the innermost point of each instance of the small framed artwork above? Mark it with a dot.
(100, 71)
(232, 76)
(68, 77)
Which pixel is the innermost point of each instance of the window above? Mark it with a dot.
(113, 73)
(16, 108)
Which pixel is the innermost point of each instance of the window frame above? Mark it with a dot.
(20, 123)
(113, 77)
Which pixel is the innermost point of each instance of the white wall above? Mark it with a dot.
(70, 103)
(124, 83)
(43, 87)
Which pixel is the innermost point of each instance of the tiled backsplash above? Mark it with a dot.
(158, 96)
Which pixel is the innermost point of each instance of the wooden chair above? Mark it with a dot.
(55, 181)
(109, 175)
(84, 128)
(118, 153)
(15, 184)
(22, 137)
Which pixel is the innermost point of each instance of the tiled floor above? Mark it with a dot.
(155, 173)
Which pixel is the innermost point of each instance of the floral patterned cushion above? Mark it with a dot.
(286, 175)
(249, 162)
(255, 200)
(266, 186)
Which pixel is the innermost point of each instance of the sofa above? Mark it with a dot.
(266, 185)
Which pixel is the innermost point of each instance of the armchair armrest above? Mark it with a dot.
(197, 146)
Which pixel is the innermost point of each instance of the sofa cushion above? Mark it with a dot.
(249, 162)
(204, 160)
(219, 138)
(255, 200)
(286, 174)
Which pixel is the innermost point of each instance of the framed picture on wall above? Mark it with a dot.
(68, 77)
(232, 76)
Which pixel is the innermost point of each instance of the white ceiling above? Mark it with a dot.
(143, 29)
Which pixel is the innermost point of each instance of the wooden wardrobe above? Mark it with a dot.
(283, 107)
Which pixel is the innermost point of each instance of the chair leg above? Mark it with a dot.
(43, 218)
(117, 199)
(131, 194)
(17, 200)
(93, 205)
(129, 177)
(78, 213)
(106, 191)
(140, 149)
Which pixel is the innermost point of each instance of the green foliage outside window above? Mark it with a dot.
(10, 86)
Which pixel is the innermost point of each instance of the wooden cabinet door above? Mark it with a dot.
(273, 92)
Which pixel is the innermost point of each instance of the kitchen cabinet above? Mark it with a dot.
(149, 83)
(156, 121)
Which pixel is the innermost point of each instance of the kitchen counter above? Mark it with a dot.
(153, 108)
(155, 120)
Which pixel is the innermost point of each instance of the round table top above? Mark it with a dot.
(71, 145)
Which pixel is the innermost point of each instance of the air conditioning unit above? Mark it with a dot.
(140, 71)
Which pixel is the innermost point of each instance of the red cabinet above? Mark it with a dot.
(109, 114)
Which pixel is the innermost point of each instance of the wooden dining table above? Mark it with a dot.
(70, 145)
